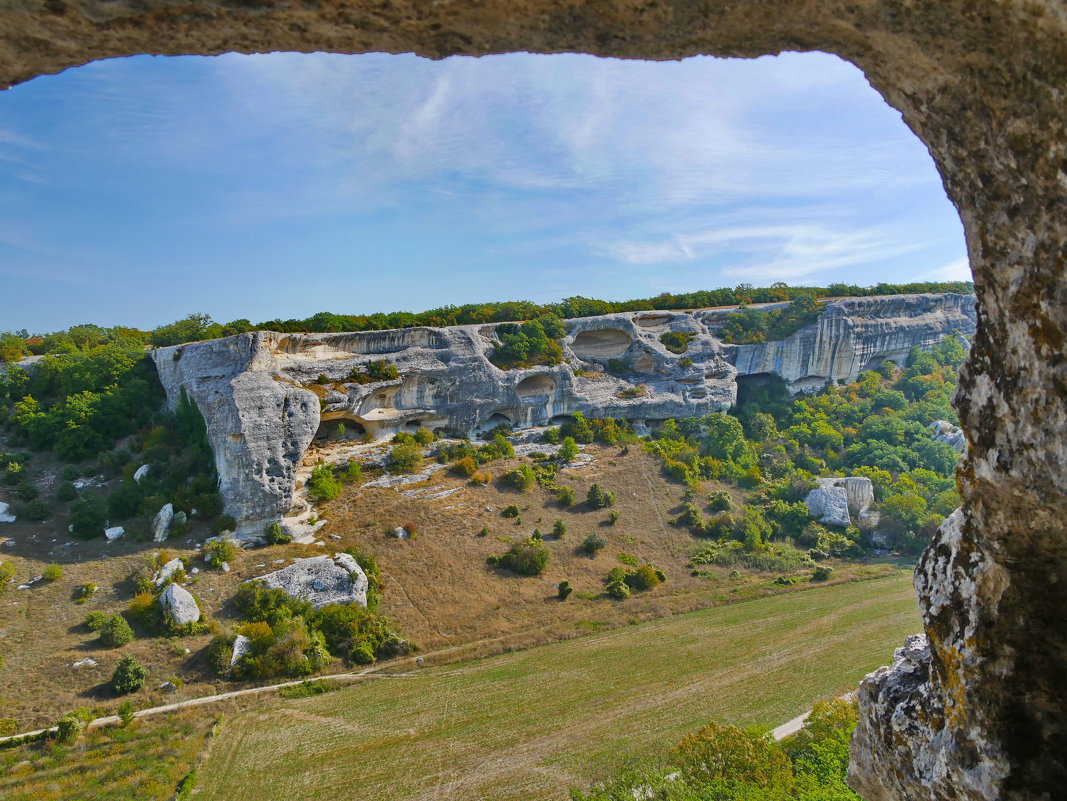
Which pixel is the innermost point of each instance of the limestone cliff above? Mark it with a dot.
(266, 395)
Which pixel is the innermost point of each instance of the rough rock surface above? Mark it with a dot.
(241, 646)
(828, 504)
(263, 403)
(168, 570)
(949, 434)
(835, 500)
(5, 515)
(179, 605)
(140, 473)
(114, 533)
(161, 522)
(322, 580)
(982, 85)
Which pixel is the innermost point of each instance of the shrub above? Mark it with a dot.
(465, 467)
(596, 498)
(353, 471)
(677, 341)
(821, 573)
(594, 543)
(116, 632)
(36, 510)
(559, 529)
(627, 559)
(613, 517)
(424, 436)
(69, 728)
(568, 449)
(85, 592)
(563, 590)
(219, 651)
(129, 676)
(127, 712)
(406, 457)
(256, 602)
(25, 491)
(276, 535)
(7, 570)
(618, 590)
(126, 500)
(53, 572)
(219, 551)
(88, 516)
(522, 477)
(565, 496)
(145, 611)
(644, 578)
(511, 510)
(527, 558)
(719, 502)
(70, 473)
(95, 620)
(323, 485)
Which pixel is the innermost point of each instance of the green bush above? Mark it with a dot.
(129, 676)
(127, 712)
(223, 523)
(522, 477)
(406, 457)
(563, 590)
(677, 341)
(219, 551)
(85, 592)
(126, 500)
(597, 498)
(36, 510)
(821, 573)
(353, 471)
(7, 571)
(559, 529)
(323, 484)
(116, 632)
(565, 496)
(613, 517)
(69, 728)
(88, 516)
(511, 510)
(275, 534)
(53, 572)
(25, 491)
(66, 491)
(527, 558)
(594, 543)
(618, 590)
(95, 620)
(568, 450)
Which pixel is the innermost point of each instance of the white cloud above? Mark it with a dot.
(956, 270)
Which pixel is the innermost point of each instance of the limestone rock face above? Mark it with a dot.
(161, 523)
(828, 504)
(322, 580)
(264, 403)
(857, 334)
(241, 646)
(179, 605)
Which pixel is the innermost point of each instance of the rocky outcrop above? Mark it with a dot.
(5, 515)
(855, 335)
(321, 580)
(828, 504)
(179, 605)
(266, 396)
(949, 434)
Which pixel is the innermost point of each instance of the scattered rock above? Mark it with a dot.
(335, 536)
(87, 662)
(94, 481)
(399, 532)
(179, 605)
(161, 523)
(195, 570)
(180, 519)
(167, 687)
(140, 473)
(322, 580)
(5, 515)
(225, 567)
(114, 533)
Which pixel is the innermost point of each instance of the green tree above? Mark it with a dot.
(129, 676)
(568, 450)
(116, 632)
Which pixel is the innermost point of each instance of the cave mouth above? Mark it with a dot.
(339, 429)
(767, 390)
(536, 385)
(600, 343)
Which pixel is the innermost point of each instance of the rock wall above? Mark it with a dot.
(265, 396)
(982, 85)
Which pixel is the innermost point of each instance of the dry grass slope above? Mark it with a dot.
(527, 725)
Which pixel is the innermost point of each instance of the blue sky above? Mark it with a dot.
(135, 191)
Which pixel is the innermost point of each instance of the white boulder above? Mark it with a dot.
(142, 471)
(114, 533)
(5, 515)
(161, 523)
(949, 434)
(241, 646)
(322, 580)
(828, 504)
(168, 570)
(179, 605)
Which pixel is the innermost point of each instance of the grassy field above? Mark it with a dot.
(528, 725)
